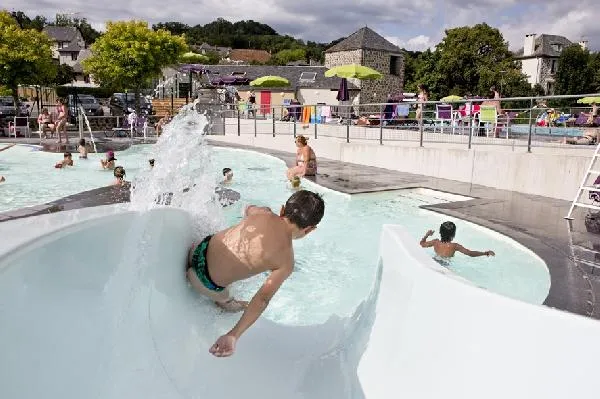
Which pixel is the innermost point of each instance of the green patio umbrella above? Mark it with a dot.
(452, 98)
(353, 71)
(270, 81)
(589, 100)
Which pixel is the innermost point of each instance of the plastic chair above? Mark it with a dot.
(19, 124)
(443, 114)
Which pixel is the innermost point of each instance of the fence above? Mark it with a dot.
(525, 122)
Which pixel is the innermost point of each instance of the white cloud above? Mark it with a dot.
(417, 43)
(414, 25)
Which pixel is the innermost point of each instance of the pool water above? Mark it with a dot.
(336, 264)
(31, 178)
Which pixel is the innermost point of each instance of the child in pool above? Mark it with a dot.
(83, 153)
(119, 174)
(444, 247)
(67, 161)
(109, 162)
(227, 175)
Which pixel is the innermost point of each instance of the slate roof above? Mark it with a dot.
(61, 33)
(364, 39)
(543, 46)
(291, 73)
(83, 54)
(72, 47)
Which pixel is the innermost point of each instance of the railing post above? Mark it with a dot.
(381, 108)
(295, 125)
(471, 133)
(421, 124)
(530, 126)
(348, 130)
(254, 113)
(273, 117)
(315, 121)
(239, 128)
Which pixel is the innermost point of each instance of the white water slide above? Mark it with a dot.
(94, 304)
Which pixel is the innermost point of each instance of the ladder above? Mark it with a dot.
(583, 188)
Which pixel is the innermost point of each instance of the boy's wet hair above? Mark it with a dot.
(67, 154)
(447, 231)
(82, 142)
(304, 208)
(119, 172)
(226, 170)
(151, 161)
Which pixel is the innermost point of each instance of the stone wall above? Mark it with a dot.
(377, 91)
(343, 58)
(545, 73)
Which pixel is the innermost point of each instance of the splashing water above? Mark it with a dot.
(87, 124)
(182, 176)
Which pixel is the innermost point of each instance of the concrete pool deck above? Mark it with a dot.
(534, 221)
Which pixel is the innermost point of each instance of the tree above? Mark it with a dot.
(574, 75)
(473, 59)
(25, 56)
(129, 55)
(285, 56)
(64, 75)
(193, 58)
(25, 22)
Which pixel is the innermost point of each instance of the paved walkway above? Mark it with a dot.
(536, 222)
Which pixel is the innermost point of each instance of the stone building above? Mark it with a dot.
(368, 48)
(539, 58)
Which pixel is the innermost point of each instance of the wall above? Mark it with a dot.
(549, 175)
(377, 90)
(437, 335)
(343, 58)
(530, 67)
(314, 96)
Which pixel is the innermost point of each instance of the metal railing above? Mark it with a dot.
(517, 126)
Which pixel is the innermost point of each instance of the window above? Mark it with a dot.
(394, 65)
(549, 87)
(553, 65)
(308, 76)
(557, 47)
(61, 44)
(73, 56)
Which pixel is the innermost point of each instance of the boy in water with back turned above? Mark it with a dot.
(261, 242)
(444, 247)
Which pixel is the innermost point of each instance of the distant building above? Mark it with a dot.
(368, 48)
(205, 48)
(539, 58)
(68, 48)
(246, 56)
(308, 84)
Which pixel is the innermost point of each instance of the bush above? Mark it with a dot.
(99, 92)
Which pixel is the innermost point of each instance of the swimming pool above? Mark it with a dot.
(31, 178)
(338, 258)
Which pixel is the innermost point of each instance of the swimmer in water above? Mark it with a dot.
(227, 175)
(109, 162)
(67, 161)
(83, 153)
(2, 179)
(444, 247)
(119, 174)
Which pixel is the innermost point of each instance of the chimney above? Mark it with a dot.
(583, 44)
(529, 44)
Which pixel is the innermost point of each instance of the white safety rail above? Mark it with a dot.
(585, 187)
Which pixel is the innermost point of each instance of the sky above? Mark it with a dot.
(414, 25)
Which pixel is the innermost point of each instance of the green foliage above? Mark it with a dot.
(574, 75)
(5, 91)
(37, 23)
(130, 54)
(193, 58)
(285, 56)
(88, 33)
(468, 61)
(64, 74)
(25, 55)
(213, 57)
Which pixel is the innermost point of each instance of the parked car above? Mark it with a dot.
(120, 103)
(7, 107)
(90, 105)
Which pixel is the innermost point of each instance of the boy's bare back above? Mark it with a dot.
(259, 243)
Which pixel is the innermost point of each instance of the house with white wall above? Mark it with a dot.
(539, 58)
(69, 48)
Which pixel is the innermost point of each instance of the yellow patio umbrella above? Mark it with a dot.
(452, 98)
(589, 100)
(270, 81)
(353, 71)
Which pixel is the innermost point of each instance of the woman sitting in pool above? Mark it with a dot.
(119, 174)
(306, 160)
(67, 161)
(444, 248)
(109, 162)
(83, 153)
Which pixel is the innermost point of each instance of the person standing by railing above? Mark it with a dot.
(422, 97)
(61, 120)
